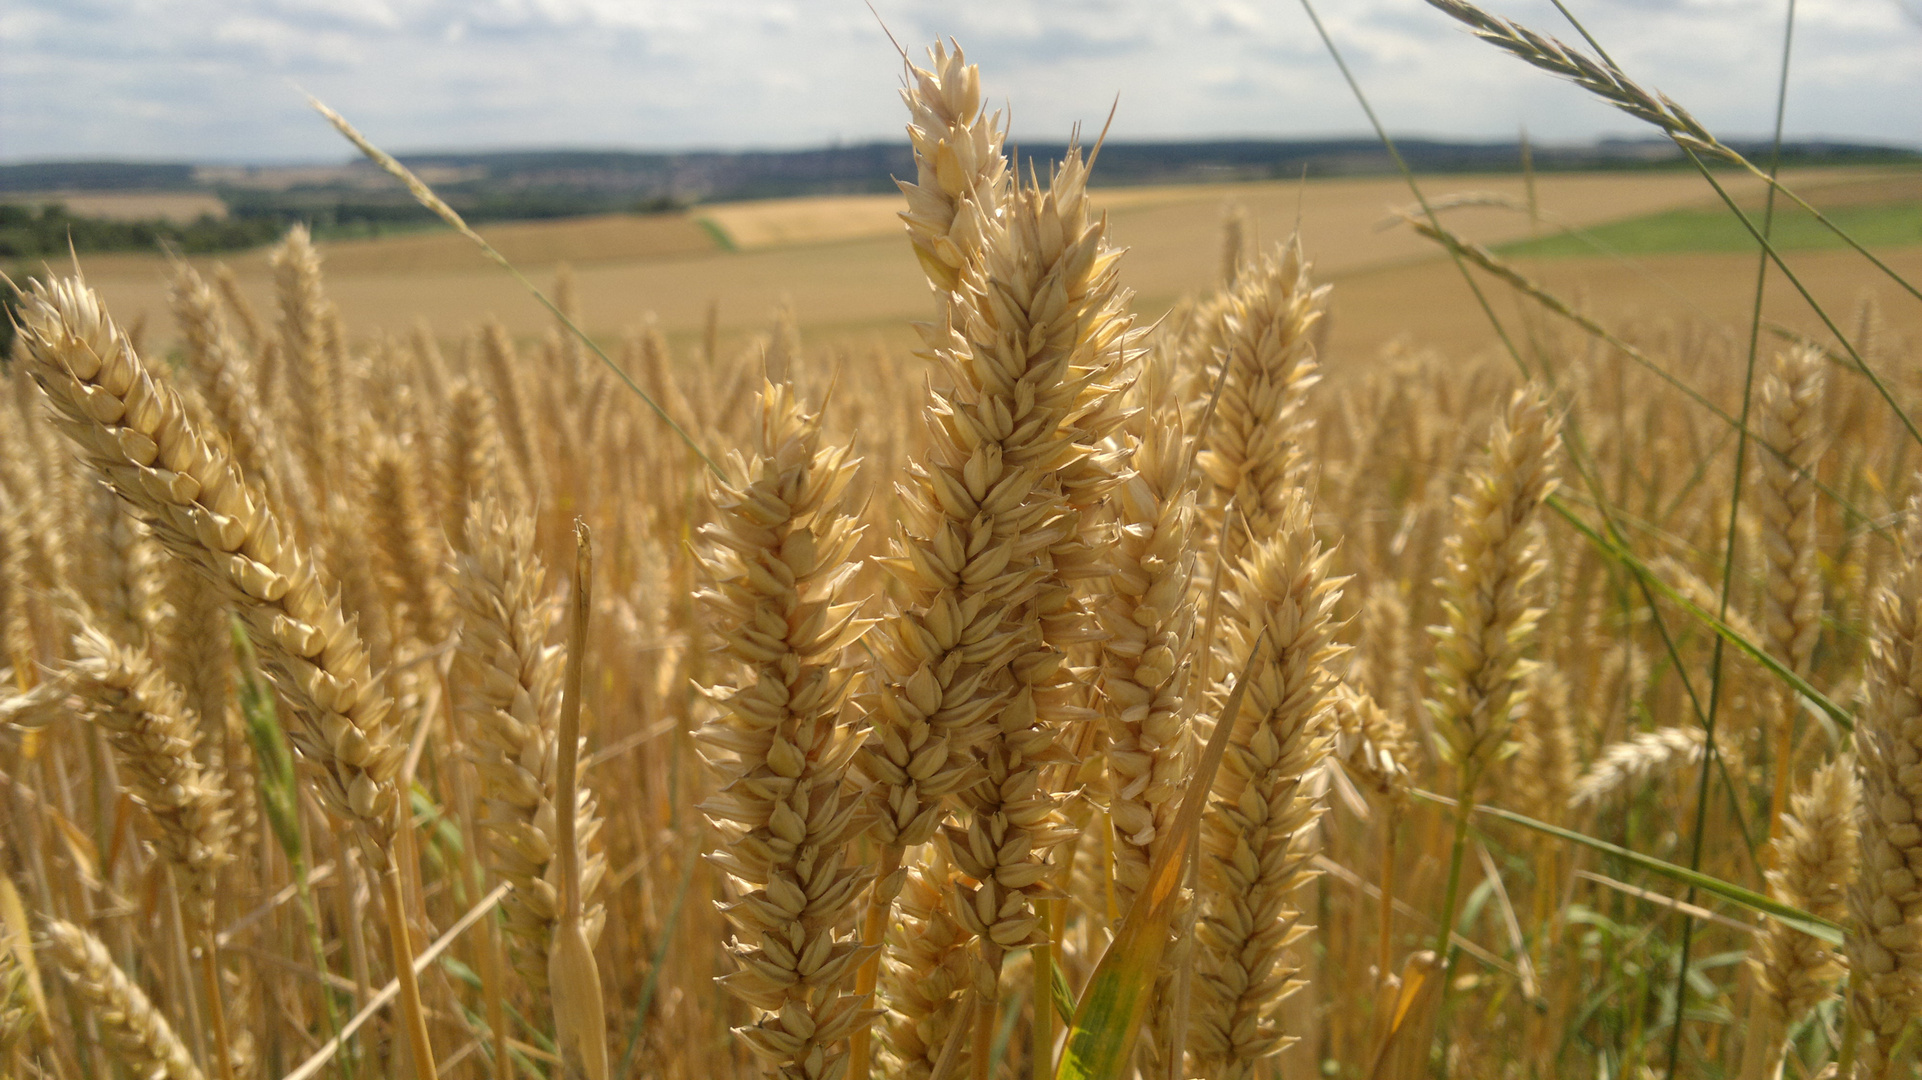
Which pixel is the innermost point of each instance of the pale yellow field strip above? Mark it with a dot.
(1585, 198)
(773, 222)
(180, 206)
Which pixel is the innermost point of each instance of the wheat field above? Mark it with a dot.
(1086, 689)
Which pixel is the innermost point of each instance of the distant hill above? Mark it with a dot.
(95, 176)
(494, 186)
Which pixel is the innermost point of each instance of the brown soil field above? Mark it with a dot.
(841, 265)
(128, 205)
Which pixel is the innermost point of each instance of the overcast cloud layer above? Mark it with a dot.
(213, 80)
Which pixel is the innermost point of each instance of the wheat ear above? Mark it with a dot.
(1253, 448)
(1543, 771)
(410, 551)
(1491, 587)
(1149, 618)
(1815, 859)
(1634, 759)
(922, 729)
(312, 381)
(1235, 242)
(1149, 682)
(1791, 405)
(1491, 591)
(134, 1031)
(157, 741)
(982, 515)
(929, 971)
(220, 371)
(1597, 77)
(1885, 956)
(961, 172)
(776, 558)
(133, 431)
(1258, 837)
(1046, 324)
(508, 681)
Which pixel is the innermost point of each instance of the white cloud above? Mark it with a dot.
(212, 79)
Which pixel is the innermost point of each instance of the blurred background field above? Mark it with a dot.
(1647, 245)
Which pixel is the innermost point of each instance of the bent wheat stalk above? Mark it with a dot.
(133, 431)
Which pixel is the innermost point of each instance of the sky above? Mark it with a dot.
(220, 80)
